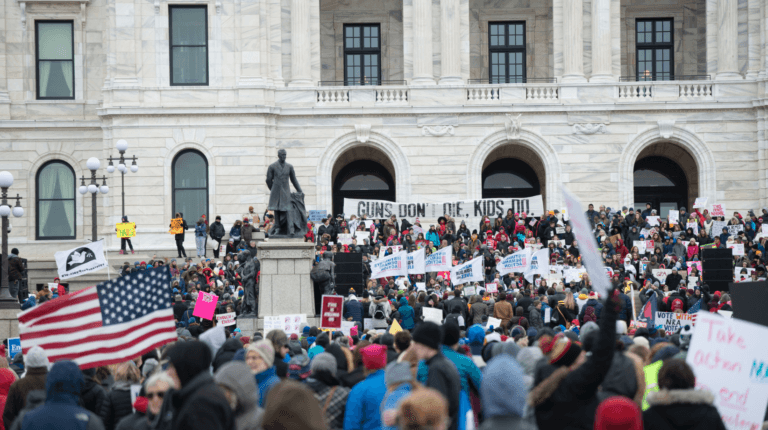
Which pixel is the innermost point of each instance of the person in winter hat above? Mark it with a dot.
(33, 380)
(61, 409)
(241, 393)
(260, 357)
(400, 383)
(363, 404)
(502, 394)
(329, 393)
(618, 413)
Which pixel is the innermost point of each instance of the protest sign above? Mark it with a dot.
(718, 209)
(439, 261)
(433, 314)
(538, 264)
(395, 328)
(227, 319)
(223, 248)
(331, 309)
(469, 291)
(516, 262)
(671, 322)
(653, 220)
(572, 274)
(317, 216)
(738, 248)
(383, 249)
(416, 264)
(272, 323)
(728, 358)
(560, 230)
(717, 228)
(53, 286)
(205, 305)
(344, 239)
(392, 265)
(734, 229)
(14, 346)
(457, 209)
(742, 274)
(177, 226)
(495, 322)
(367, 323)
(82, 260)
(533, 222)
(691, 281)
(649, 245)
(701, 202)
(421, 286)
(126, 229)
(692, 264)
(661, 275)
(291, 323)
(693, 226)
(470, 271)
(346, 327)
(764, 229)
(492, 287)
(673, 217)
(362, 235)
(640, 244)
(645, 232)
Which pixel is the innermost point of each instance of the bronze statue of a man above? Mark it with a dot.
(290, 213)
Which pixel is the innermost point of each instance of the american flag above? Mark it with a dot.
(109, 323)
(694, 309)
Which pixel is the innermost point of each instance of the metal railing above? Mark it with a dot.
(666, 78)
(495, 81)
(359, 83)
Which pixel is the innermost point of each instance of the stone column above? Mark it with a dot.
(422, 43)
(301, 55)
(573, 41)
(275, 43)
(129, 19)
(601, 41)
(450, 40)
(727, 40)
(5, 101)
(754, 17)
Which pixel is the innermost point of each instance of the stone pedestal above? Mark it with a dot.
(285, 287)
(9, 324)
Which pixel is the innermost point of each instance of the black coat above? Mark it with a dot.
(178, 310)
(93, 396)
(682, 410)
(116, 405)
(225, 354)
(201, 405)
(216, 231)
(444, 378)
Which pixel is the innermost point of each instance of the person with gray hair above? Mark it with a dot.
(155, 389)
(328, 391)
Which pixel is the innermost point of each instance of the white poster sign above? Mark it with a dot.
(344, 239)
(701, 202)
(395, 248)
(728, 358)
(470, 271)
(346, 326)
(738, 248)
(82, 260)
(433, 314)
(495, 322)
(673, 217)
(272, 323)
(718, 210)
(653, 220)
(457, 209)
(416, 264)
(290, 323)
(392, 265)
(439, 261)
(516, 262)
(492, 287)
(227, 319)
(661, 275)
(640, 244)
(671, 322)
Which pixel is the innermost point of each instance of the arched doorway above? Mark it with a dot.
(362, 173)
(513, 171)
(666, 176)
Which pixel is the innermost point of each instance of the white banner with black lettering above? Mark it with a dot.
(416, 262)
(439, 261)
(516, 262)
(461, 209)
(81, 260)
(470, 271)
(391, 265)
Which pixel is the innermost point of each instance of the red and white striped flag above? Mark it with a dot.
(109, 323)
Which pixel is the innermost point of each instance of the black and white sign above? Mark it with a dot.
(457, 209)
(81, 260)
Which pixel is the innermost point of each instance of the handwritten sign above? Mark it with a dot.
(693, 226)
(717, 227)
(344, 239)
(738, 248)
(673, 217)
(317, 216)
(734, 229)
(701, 202)
(272, 323)
(672, 322)
(492, 287)
(177, 226)
(346, 327)
(729, 359)
(205, 305)
(653, 220)
(495, 322)
(469, 291)
(661, 275)
(692, 264)
(742, 274)
(718, 209)
(640, 244)
(126, 229)
(433, 314)
(227, 319)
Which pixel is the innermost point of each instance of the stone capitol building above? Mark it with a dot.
(622, 101)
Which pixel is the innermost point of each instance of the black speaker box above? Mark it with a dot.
(718, 264)
(342, 257)
(716, 253)
(718, 275)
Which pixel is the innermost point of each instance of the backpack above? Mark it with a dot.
(379, 312)
(589, 314)
(453, 317)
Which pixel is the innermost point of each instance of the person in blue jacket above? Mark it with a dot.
(400, 383)
(432, 236)
(364, 402)
(260, 357)
(470, 374)
(407, 314)
(353, 310)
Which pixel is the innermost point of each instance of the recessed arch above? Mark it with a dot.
(174, 148)
(349, 145)
(678, 144)
(364, 178)
(190, 184)
(528, 147)
(55, 201)
(661, 179)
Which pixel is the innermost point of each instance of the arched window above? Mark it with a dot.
(661, 182)
(510, 177)
(55, 201)
(362, 179)
(190, 184)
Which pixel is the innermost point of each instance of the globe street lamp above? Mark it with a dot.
(6, 180)
(93, 165)
(122, 146)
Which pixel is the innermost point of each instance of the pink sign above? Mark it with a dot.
(718, 210)
(205, 305)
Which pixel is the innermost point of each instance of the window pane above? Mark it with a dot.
(188, 26)
(367, 31)
(375, 31)
(189, 171)
(494, 29)
(349, 31)
(56, 181)
(519, 40)
(56, 219)
(56, 79)
(54, 41)
(494, 40)
(667, 37)
(357, 31)
(189, 65)
(366, 42)
(191, 203)
(667, 26)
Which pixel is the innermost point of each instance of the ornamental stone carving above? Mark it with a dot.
(513, 126)
(588, 128)
(666, 128)
(437, 130)
(363, 132)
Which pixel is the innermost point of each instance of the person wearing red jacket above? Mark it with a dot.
(60, 289)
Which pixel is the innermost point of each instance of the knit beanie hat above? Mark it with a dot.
(299, 367)
(428, 334)
(324, 362)
(190, 359)
(398, 372)
(618, 413)
(36, 357)
(564, 352)
(265, 349)
(451, 333)
(640, 340)
(374, 356)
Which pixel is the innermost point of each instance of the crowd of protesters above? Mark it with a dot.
(560, 356)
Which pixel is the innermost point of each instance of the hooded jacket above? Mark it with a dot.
(407, 314)
(226, 353)
(61, 409)
(7, 378)
(17, 395)
(93, 394)
(116, 405)
(503, 394)
(682, 410)
(248, 414)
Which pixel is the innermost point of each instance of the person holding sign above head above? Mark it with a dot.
(125, 240)
(178, 226)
